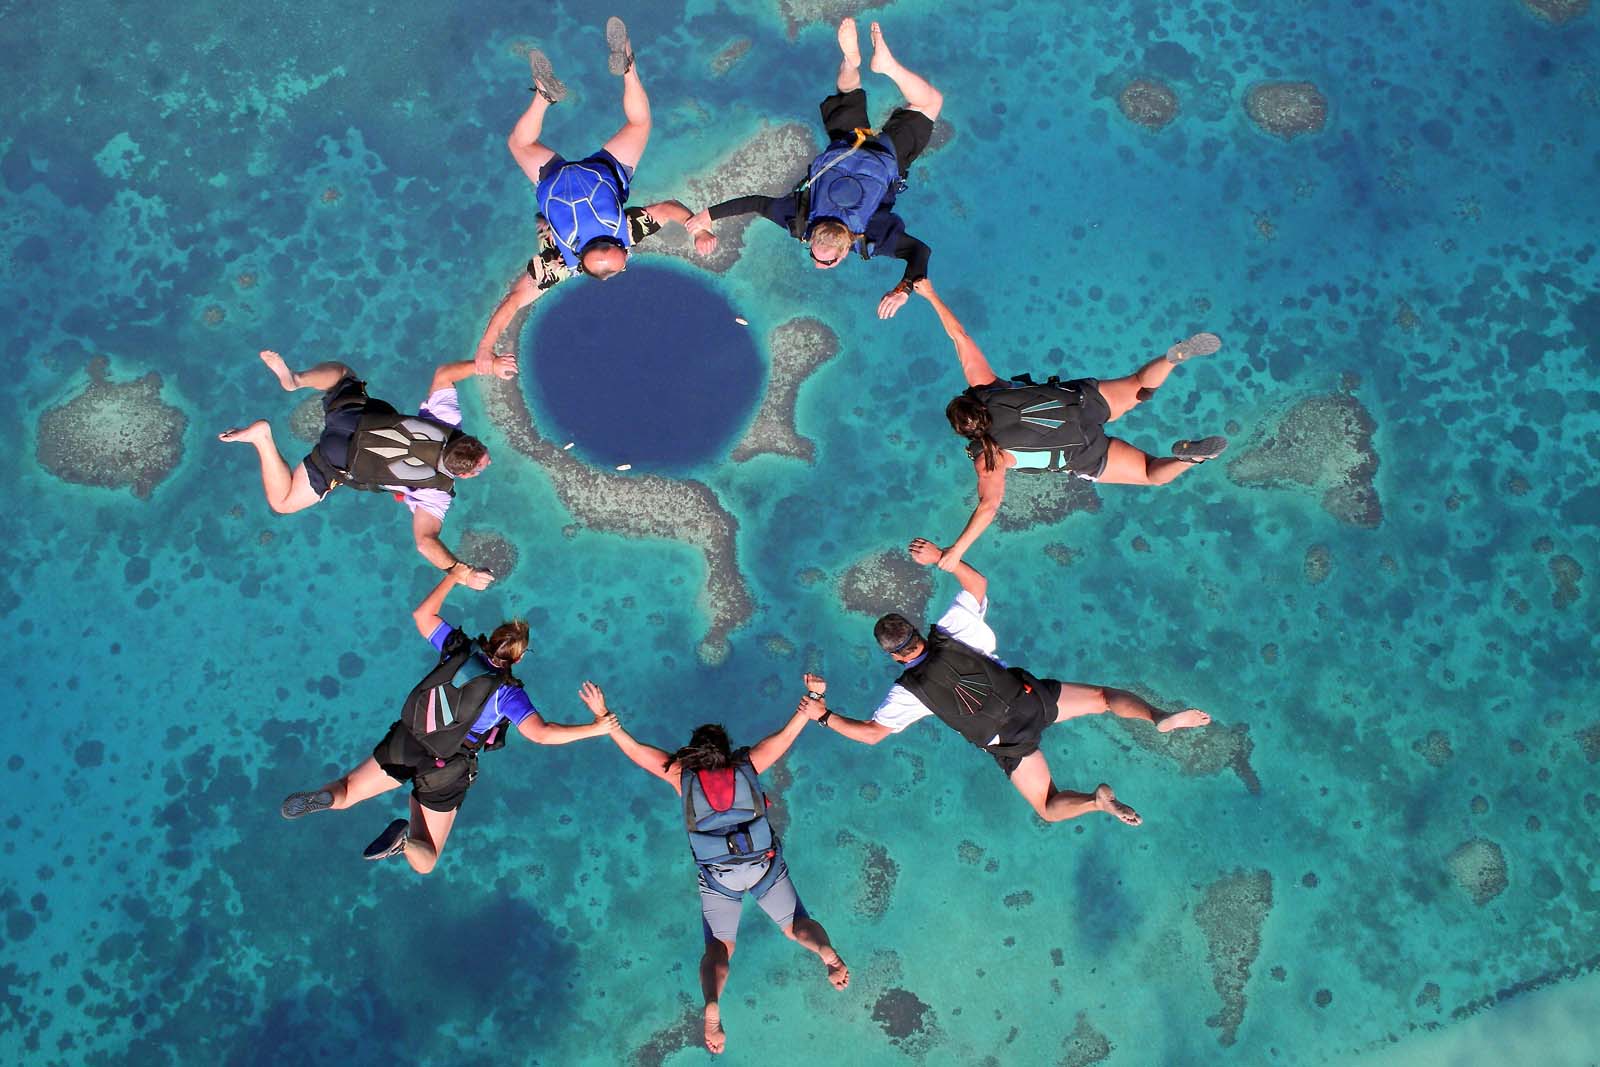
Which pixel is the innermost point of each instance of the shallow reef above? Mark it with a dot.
(487, 550)
(1149, 103)
(1044, 500)
(1557, 11)
(885, 582)
(1325, 444)
(797, 347)
(1479, 868)
(1230, 914)
(1287, 109)
(113, 435)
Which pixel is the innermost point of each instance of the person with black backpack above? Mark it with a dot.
(1057, 427)
(953, 673)
(732, 842)
(465, 705)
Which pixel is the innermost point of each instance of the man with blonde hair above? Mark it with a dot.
(846, 200)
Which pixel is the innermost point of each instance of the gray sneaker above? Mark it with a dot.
(298, 804)
(391, 842)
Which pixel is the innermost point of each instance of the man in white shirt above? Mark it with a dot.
(953, 673)
(367, 444)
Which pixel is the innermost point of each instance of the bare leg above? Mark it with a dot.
(713, 977)
(530, 153)
(1126, 465)
(920, 96)
(1077, 700)
(1032, 779)
(627, 144)
(429, 831)
(322, 377)
(1123, 394)
(365, 782)
(286, 491)
(810, 934)
(850, 63)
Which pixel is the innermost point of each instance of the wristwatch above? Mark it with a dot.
(813, 696)
(822, 720)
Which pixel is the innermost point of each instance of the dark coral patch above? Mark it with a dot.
(1231, 915)
(901, 1013)
(1323, 443)
(1287, 109)
(885, 582)
(487, 550)
(1151, 104)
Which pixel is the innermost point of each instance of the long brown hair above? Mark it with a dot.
(506, 646)
(708, 750)
(969, 418)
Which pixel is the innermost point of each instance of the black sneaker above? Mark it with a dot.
(298, 804)
(391, 842)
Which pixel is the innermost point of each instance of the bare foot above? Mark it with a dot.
(838, 973)
(256, 431)
(716, 1037)
(1107, 801)
(1183, 720)
(849, 43)
(280, 370)
(883, 60)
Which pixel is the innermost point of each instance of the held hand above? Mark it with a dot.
(700, 220)
(475, 578)
(923, 287)
(483, 361)
(594, 699)
(892, 301)
(949, 560)
(705, 242)
(608, 723)
(811, 709)
(504, 367)
(924, 551)
(816, 683)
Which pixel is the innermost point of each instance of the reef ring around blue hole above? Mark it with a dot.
(648, 368)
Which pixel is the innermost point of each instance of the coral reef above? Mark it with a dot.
(910, 1024)
(1325, 444)
(798, 347)
(1435, 748)
(1557, 11)
(487, 550)
(633, 505)
(687, 1032)
(1566, 572)
(1287, 109)
(726, 59)
(1085, 1046)
(113, 435)
(305, 422)
(885, 582)
(1318, 563)
(1230, 915)
(797, 13)
(878, 874)
(1589, 741)
(1150, 103)
(1479, 868)
(1198, 753)
(1043, 500)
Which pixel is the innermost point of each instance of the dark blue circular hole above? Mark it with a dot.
(647, 368)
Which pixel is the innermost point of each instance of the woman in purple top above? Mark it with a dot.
(439, 785)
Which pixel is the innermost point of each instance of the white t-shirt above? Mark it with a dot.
(964, 621)
(442, 405)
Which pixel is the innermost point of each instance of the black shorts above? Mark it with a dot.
(908, 131)
(341, 411)
(1090, 461)
(437, 787)
(1020, 738)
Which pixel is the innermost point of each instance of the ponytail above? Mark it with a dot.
(969, 418)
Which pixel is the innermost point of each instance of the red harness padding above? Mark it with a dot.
(719, 786)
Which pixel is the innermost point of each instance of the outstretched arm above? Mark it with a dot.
(972, 580)
(540, 732)
(771, 749)
(991, 491)
(425, 527)
(521, 295)
(427, 614)
(646, 756)
(446, 375)
(816, 709)
(973, 364)
(698, 227)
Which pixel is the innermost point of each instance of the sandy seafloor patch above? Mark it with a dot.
(179, 192)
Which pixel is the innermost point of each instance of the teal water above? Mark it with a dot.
(180, 192)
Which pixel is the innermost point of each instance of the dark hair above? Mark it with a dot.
(461, 456)
(708, 750)
(969, 418)
(506, 646)
(894, 632)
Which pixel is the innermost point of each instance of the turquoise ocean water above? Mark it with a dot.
(1385, 854)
